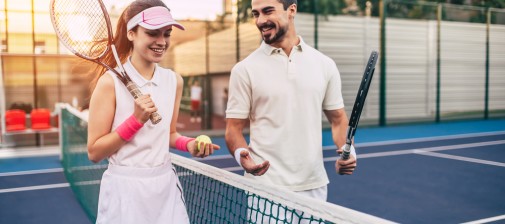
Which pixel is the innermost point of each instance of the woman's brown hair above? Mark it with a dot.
(123, 45)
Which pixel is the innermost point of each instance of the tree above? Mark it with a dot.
(324, 7)
(396, 8)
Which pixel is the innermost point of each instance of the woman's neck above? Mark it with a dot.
(144, 68)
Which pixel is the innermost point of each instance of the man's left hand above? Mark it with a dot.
(346, 167)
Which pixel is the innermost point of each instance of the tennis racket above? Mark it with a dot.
(84, 27)
(359, 102)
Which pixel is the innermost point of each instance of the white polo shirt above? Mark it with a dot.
(283, 96)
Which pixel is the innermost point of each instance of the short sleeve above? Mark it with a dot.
(239, 93)
(333, 99)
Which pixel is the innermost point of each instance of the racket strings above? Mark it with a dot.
(81, 26)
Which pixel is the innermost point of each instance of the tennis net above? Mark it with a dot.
(212, 195)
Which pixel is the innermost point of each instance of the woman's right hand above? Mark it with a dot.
(144, 107)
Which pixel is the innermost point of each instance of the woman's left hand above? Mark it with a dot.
(206, 149)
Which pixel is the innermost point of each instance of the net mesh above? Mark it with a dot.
(212, 195)
(83, 175)
(81, 26)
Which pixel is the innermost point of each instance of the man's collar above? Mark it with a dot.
(269, 50)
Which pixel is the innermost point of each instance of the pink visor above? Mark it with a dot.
(153, 18)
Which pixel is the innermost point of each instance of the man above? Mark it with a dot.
(196, 98)
(281, 88)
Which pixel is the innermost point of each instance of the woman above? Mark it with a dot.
(140, 185)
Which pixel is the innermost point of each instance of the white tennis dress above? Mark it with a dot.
(140, 184)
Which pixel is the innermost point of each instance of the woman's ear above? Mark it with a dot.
(130, 35)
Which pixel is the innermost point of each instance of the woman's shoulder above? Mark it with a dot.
(106, 80)
(105, 85)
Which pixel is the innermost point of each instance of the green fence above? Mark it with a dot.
(437, 61)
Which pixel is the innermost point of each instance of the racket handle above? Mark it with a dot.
(346, 151)
(134, 90)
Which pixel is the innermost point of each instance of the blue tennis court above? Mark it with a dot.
(451, 172)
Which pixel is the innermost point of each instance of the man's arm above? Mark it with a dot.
(233, 135)
(235, 141)
(339, 121)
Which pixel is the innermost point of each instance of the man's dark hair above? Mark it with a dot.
(287, 3)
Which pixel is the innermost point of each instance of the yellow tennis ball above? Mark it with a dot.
(202, 138)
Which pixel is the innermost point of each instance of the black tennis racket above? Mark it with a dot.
(359, 103)
(84, 27)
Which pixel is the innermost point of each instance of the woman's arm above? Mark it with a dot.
(173, 123)
(174, 135)
(101, 141)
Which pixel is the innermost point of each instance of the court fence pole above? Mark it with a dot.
(6, 27)
(486, 95)
(316, 24)
(2, 103)
(439, 20)
(237, 33)
(382, 91)
(35, 72)
(207, 92)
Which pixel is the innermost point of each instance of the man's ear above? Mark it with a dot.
(292, 9)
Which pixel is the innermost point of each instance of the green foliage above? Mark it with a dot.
(244, 10)
(375, 6)
(411, 9)
(481, 3)
(324, 7)
(416, 9)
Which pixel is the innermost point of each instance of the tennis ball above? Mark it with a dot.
(202, 138)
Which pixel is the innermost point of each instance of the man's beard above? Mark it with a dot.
(277, 36)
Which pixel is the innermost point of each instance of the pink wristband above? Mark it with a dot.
(181, 143)
(129, 128)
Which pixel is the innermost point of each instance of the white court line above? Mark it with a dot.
(412, 151)
(32, 188)
(429, 149)
(461, 158)
(89, 182)
(29, 152)
(492, 219)
(48, 186)
(425, 151)
(412, 140)
(55, 170)
(358, 145)
(90, 167)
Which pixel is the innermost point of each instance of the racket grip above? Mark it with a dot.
(134, 90)
(346, 151)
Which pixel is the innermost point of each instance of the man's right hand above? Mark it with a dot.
(250, 166)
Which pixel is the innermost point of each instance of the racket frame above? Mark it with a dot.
(121, 74)
(359, 103)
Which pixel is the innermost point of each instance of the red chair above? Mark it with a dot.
(15, 120)
(41, 119)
